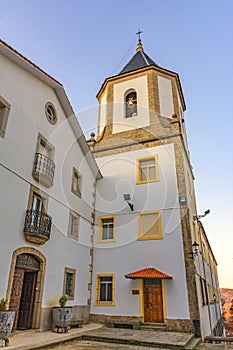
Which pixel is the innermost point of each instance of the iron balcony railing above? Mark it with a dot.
(37, 226)
(43, 169)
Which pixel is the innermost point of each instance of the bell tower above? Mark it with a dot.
(143, 96)
(142, 151)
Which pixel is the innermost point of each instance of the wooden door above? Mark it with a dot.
(16, 293)
(153, 301)
(27, 300)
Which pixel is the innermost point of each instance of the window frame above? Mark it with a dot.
(52, 108)
(72, 215)
(4, 115)
(138, 169)
(151, 237)
(99, 302)
(100, 229)
(34, 191)
(42, 141)
(76, 175)
(73, 273)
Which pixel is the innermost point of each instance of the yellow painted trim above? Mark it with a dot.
(97, 280)
(142, 238)
(100, 240)
(164, 299)
(141, 291)
(138, 180)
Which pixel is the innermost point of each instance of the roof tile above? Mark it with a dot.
(149, 272)
(139, 60)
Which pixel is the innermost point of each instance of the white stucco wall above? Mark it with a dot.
(27, 96)
(120, 123)
(165, 97)
(102, 112)
(127, 253)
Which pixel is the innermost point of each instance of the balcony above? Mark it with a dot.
(43, 170)
(37, 226)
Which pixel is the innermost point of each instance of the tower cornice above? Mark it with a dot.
(137, 72)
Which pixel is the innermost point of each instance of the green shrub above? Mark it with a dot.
(3, 303)
(62, 301)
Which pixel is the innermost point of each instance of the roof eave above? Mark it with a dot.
(58, 88)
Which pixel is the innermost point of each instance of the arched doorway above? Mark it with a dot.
(26, 286)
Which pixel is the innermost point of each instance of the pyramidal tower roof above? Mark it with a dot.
(139, 60)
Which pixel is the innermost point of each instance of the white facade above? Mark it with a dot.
(127, 253)
(165, 97)
(27, 90)
(120, 123)
(144, 265)
(110, 254)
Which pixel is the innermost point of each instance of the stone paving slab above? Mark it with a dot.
(172, 340)
(95, 345)
(29, 340)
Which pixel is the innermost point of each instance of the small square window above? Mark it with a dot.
(149, 225)
(105, 289)
(73, 229)
(69, 283)
(107, 228)
(4, 114)
(147, 169)
(76, 182)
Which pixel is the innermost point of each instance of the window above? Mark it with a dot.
(105, 289)
(69, 283)
(76, 182)
(37, 224)
(4, 114)
(204, 292)
(149, 224)
(44, 167)
(50, 113)
(131, 104)
(147, 169)
(107, 228)
(73, 229)
(38, 200)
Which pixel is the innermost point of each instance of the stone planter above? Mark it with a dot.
(62, 317)
(6, 323)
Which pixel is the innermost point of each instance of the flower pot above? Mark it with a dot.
(62, 317)
(6, 323)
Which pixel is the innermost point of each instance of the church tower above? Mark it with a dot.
(143, 264)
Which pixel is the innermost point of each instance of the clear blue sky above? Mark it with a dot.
(81, 43)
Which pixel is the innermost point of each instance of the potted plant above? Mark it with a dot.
(62, 316)
(6, 321)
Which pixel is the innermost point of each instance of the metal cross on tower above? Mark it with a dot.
(139, 33)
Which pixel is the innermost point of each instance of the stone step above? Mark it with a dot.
(192, 344)
(157, 327)
(146, 338)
